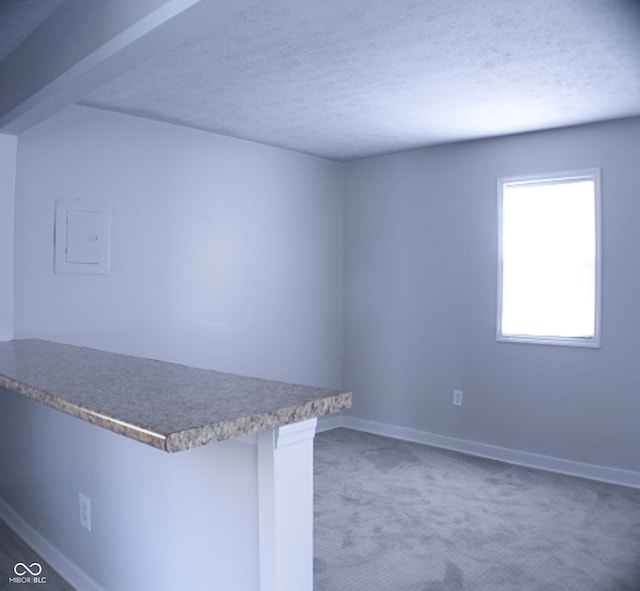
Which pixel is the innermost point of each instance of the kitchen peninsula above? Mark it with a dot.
(261, 433)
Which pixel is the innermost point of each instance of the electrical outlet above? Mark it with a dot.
(457, 398)
(85, 511)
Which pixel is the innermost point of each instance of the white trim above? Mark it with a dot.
(296, 433)
(67, 569)
(329, 422)
(285, 507)
(512, 456)
(267, 555)
(592, 174)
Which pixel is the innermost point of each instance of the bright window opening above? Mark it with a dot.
(548, 288)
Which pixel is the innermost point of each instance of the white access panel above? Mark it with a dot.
(82, 236)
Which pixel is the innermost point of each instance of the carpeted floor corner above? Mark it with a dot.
(13, 551)
(398, 516)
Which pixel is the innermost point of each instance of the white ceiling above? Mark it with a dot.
(346, 79)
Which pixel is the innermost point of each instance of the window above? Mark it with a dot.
(549, 259)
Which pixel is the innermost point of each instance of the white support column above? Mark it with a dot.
(285, 505)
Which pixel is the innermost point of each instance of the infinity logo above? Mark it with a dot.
(21, 569)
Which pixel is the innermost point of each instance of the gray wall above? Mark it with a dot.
(420, 300)
(225, 255)
(151, 511)
(8, 146)
(231, 255)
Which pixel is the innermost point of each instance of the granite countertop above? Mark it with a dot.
(169, 406)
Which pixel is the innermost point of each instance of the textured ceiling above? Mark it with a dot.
(351, 78)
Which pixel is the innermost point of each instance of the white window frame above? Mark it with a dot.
(556, 177)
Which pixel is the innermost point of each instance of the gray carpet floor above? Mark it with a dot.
(397, 516)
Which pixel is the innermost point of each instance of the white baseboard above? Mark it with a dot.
(329, 422)
(494, 452)
(67, 569)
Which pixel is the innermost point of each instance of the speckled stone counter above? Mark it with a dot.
(169, 406)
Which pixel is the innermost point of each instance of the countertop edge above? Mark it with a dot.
(217, 431)
(147, 436)
(236, 428)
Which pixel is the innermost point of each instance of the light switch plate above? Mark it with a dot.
(82, 236)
